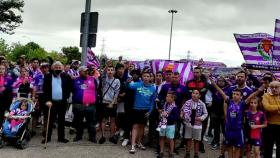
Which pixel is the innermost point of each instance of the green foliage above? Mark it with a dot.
(58, 57)
(72, 53)
(4, 47)
(34, 50)
(9, 20)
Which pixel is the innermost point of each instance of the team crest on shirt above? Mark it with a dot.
(244, 93)
(257, 118)
(83, 86)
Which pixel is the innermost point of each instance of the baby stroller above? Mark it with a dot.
(21, 136)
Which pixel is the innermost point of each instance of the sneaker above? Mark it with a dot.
(63, 140)
(187, 155)
(132, 150)
(195, 155)
(93, 140)
(214, 147)
(113, 140)
(76, 139)
(102, 140)
(221, 156)
(125, 142)
(141, 146)
(160, 155)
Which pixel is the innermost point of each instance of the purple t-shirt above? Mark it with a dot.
(84, 91)
(247, 91)
(235, 115)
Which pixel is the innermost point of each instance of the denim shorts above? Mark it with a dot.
(168, 132)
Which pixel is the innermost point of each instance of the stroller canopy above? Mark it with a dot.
(16, 104)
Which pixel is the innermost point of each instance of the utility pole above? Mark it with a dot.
(86, 29)
(103, 46)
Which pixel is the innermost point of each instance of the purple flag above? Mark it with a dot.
(276, 43)
(256, 48)
(92, 60)
(184, 68)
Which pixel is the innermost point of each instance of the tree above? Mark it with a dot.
(72, 53)
(30, 50)
(58, 56)
(8, 18)
(4, 47)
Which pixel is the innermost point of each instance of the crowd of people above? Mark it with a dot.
(245, 111)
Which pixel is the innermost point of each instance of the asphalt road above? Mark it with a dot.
(83, 149)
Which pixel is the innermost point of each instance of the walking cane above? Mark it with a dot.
(48, 121)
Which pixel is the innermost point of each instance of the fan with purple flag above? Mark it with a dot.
(92, 60)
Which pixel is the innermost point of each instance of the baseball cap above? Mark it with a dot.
(83, 68)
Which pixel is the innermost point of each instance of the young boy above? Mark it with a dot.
(234, 117)
(169, 116)
(193, 112)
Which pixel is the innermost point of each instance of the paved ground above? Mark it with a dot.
(82, 149)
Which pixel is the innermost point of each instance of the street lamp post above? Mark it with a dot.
(172, 12)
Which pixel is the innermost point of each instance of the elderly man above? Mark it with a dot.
(271, 103)
(56, 87)
(84, 98)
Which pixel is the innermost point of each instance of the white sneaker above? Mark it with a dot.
(132, 150)
(121, 133)
(125, 142)
(141, 146)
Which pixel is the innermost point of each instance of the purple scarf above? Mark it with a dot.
(166, 108)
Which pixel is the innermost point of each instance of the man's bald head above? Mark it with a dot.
(275, 87)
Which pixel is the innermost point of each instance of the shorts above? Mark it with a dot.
(107, 113)
(138, 116)
(168, 132)
(192, 133)
(255, 142)
(234, 138)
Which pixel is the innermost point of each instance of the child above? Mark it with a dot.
(234, 116)
(193, 112)
(255, 120)
(169, 116)
(21, 111)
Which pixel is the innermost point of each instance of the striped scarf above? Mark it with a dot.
(166, 108)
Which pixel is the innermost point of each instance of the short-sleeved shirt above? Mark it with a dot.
(247, 91)
(110, 89)
(235, 115)
(257, 118)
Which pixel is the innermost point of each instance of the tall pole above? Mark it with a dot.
(85, 36)
(172, 12)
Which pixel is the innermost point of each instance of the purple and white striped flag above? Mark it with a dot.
(256, 48)
(184, 68)
(92, 60)
(276, 43)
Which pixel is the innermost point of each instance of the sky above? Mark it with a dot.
(140, 29)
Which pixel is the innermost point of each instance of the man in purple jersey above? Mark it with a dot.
(84, 98)
(241, 78)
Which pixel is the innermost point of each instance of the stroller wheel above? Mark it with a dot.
(21, 144)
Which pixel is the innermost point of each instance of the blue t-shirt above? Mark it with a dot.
(145, 95)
